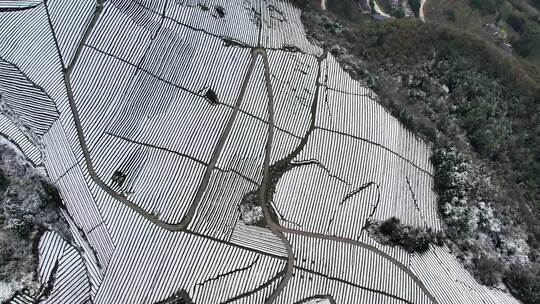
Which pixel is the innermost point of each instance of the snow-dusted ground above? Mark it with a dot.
(138, 83)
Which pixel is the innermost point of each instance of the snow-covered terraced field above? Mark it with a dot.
(156, 118)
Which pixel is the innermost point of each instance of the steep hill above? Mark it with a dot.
(209, 152)
(479, 103)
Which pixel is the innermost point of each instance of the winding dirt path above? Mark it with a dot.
(279, 230)
(421, 11)
(186, 220)
(182, 225)
(289, 266)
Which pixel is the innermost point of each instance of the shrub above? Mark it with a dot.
(29, 205)
(220, 11)
(524, 45)
(212, 97)
(118, 178)
(450, 15)
(489, 270)
(398, 13)
(347, 9)
(449, 167)
(486, 7)
(392, 232)
(391, 228)
(415, 6)
(516, 22)
(4, 182)
(524, 282)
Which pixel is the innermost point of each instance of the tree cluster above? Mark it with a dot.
(412, 239)
(29, 205)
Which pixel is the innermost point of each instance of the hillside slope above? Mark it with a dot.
(209, 152)
(479, 105)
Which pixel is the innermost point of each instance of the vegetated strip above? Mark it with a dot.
(415, 201)
(320, 165)
(352, 194)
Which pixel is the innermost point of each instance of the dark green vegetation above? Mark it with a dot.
(486, 7)
(118, 178)
(449, 165)
(512, 22)
(524, 282)
(212, 97)
(415, 6)
(480, 105)
(463, 210)
(392, 232)
(29, 205)
(387, 7)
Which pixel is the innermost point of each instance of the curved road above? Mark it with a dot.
(289, 267)
(181, 226)
(421, 11)
(278, 230)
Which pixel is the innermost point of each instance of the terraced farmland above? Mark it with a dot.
(156, 119)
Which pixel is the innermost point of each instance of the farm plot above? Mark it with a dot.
(68, 177)
(155, 88)
(257, 238)
(69, 21)
(28, 106)
(208, 270)
(237, 20)
(25, 37)
(446, 278)
(329, 193)
(282, 28)
(62, 265)
(350, 273)
(294, 81)
(243, 154)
